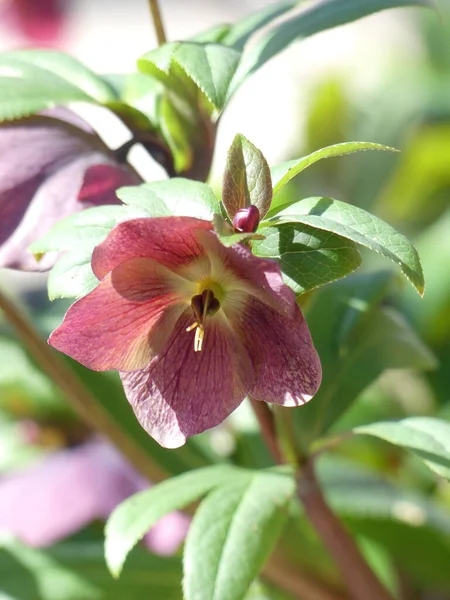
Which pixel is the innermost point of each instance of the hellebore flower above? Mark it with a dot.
(193, 327)
(51, 165)
(65, 491)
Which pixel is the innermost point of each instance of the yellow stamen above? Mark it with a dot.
(198, 340)
(203, 305)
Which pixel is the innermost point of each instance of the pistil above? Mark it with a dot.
(203, 305)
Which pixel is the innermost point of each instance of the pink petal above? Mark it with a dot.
(183, 392)
(261, 277)
(170, 241)
(101, 181)
(64, 492)
(167, 535)
(286, 364)
(123, 322)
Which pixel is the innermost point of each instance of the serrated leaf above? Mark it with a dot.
(177, 196)
(131, 520)
(356, 340)
(246, 178)
(310, 18)
(426, 437)
(232, 534)
(33, 80)
(282, 174)
(309, 257)
(361, 227)
(210, 66)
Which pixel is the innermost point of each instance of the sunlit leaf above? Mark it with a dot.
(309, 257)
(282, 174)
(133, 518)
(246, 178)
(310, 18)
(232, 534)
(361, 227)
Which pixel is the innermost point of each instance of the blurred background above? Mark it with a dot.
(383, 79)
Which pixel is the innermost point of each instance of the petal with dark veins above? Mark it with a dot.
(287, 367)
(171, 241)
(183, 392)
(107, 330)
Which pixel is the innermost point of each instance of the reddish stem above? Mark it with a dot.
(359, 578)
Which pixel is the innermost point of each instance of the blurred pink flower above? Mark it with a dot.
(51, 165)
(69, 489)
(40, 22)
(192, 325)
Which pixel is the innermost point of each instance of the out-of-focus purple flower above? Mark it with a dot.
(40, 22)
(192, 325)
(66, 491)
(51, 166)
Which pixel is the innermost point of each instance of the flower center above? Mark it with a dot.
(203, 305)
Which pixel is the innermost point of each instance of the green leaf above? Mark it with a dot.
(239, 34)
(359, 226)
(33, 80)
(282, 174)
(308, 20)
(72, 275)
(131, 520)
(232, 534)
(426, 437)
(246, 178)
(309, 257)
(177, 196)
(215, 34)
(356, 340)
(78, 234)
(77, 571)
(210, 66)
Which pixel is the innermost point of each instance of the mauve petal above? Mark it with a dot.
(170, 241)
(53, 199)
(286, 364)
(101, 181)
(43, 161)
(105, 330)
(258, 276)
(183, 392)
(64, 492)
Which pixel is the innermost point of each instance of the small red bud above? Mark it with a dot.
(246, 220)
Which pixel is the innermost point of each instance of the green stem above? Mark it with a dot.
(157, 22)
(84, 403)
